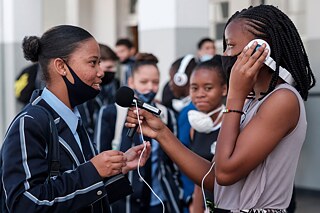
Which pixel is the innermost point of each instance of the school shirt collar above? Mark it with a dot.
(70, 117)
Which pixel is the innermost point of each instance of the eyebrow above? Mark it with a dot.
(93, 57)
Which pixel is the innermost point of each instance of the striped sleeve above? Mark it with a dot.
(25, 172)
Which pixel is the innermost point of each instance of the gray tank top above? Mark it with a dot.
(270, 184)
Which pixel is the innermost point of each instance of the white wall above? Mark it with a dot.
(170, 29)
(18, 19)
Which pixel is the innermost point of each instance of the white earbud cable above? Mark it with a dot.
(202, 187)
(144, 148)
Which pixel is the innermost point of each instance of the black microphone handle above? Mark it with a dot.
(131, 131)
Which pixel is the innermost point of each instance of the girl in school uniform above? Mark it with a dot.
(69, 57)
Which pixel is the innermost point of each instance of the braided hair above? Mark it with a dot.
(272, 25)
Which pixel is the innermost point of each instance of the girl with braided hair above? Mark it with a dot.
(260, 138)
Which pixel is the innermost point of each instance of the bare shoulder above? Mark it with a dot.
(282, 105)
(283, 98)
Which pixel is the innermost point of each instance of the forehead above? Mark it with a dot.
(122, 47)
(237, 30)
(207, 43)
(88, 48)
(147, 71)
(204, 75)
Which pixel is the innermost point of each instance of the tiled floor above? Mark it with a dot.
(307, 201)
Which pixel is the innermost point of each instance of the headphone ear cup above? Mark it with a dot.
(180, 79)
(260, 42)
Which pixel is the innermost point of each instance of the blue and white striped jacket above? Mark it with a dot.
(78, 188)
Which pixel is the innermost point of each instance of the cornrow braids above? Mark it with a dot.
(271, 24)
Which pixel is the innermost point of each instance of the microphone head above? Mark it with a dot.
(124, 96)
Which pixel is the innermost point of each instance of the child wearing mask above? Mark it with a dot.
(207, 88)
(206, 49)
(160, 173)
(47, 160)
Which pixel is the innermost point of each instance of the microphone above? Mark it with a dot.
(125, 98)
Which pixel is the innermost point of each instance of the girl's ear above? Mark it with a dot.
(60, 66)
(224, 90)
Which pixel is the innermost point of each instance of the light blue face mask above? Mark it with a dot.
(206, 57)
(147, 97)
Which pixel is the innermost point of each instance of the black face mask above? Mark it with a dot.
(107, 78)
(127, 61)
(227, 64)
(79, 92)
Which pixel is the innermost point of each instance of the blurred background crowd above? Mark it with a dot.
(175, 34)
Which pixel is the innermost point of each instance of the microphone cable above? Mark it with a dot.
(211, 167)
(144, 149)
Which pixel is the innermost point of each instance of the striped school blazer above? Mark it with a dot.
(27, 188)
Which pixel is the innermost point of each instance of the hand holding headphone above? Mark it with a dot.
(283, 73)
(181, 78)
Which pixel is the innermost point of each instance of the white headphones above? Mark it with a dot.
(283, 73)
(181, 78)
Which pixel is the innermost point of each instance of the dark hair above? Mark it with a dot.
(204, 40)
(107, 53)
(142, 59)
(58, 42)
(176, 64)
(214, 64)
(271, 24)
(125, 42)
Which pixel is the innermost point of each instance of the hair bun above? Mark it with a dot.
(31, 48)
(146, 58)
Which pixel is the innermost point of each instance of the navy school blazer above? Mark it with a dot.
(27, 188)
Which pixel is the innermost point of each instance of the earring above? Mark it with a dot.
(64, 73)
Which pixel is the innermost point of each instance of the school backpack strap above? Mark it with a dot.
(53, 154)
(53, 146)
(120, 120)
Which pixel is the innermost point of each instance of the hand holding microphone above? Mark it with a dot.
(125, 98)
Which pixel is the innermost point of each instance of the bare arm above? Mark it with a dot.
(191, 164)
(197, 202)
(238, 153)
